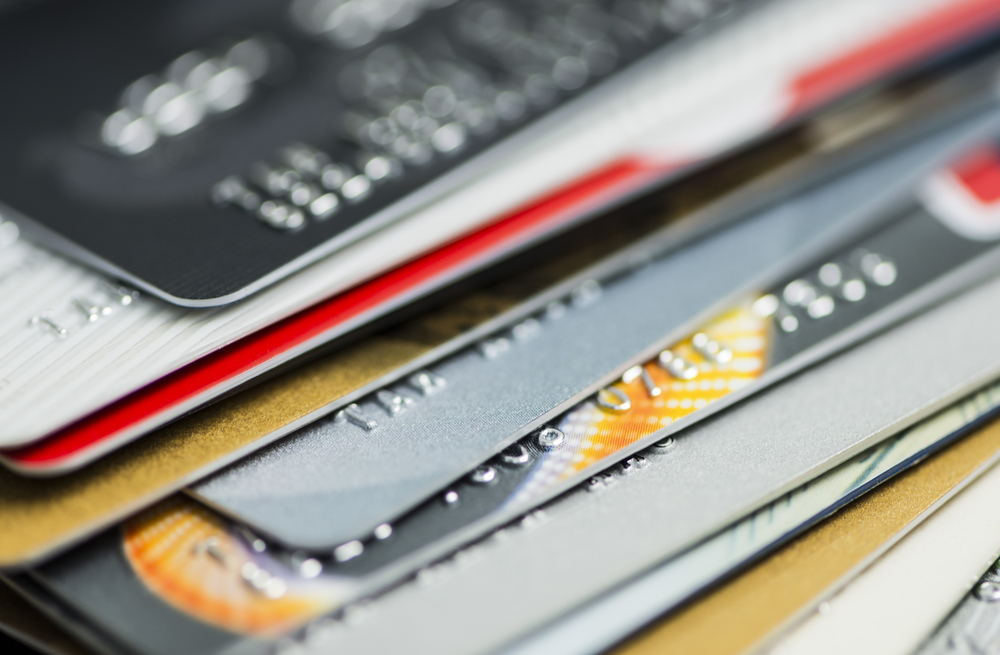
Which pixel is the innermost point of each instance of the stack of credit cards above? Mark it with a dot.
(499, 326)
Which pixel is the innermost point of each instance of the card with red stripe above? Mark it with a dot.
(269, 347)
(75, 344)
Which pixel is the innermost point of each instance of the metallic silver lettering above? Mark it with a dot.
(45, 321)
(483, 475)
(677, 367)
(515, 455)
(550, 438)
(392, 402)
(91, 310)
(427, 383)
(353, 414)
(613, 399)
(641, 373)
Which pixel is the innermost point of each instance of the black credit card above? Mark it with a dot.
(202, 149)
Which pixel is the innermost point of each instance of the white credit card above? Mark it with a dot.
(71, 345)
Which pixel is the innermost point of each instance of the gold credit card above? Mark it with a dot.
(747, 608)
(41, 516)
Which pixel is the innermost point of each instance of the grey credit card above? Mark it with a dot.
(589, 544)
(583, 544)
(204, 150)
(339, 479)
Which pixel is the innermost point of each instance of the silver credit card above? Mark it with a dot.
(337, 480)
(610, 619)
(586, 543)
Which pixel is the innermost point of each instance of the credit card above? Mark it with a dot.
(49, 512)
(537, 571)
(888, 609)
(599, 625)
(255, 140)
(67, 324)
(337, 480)
(761, 449)
(70, 325)
(43, 515)
(688, 572)
(797, 577)
(108, 348)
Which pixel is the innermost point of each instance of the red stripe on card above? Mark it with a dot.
(899, 48)
(979, 172)
(941, 28)
(202, 376)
